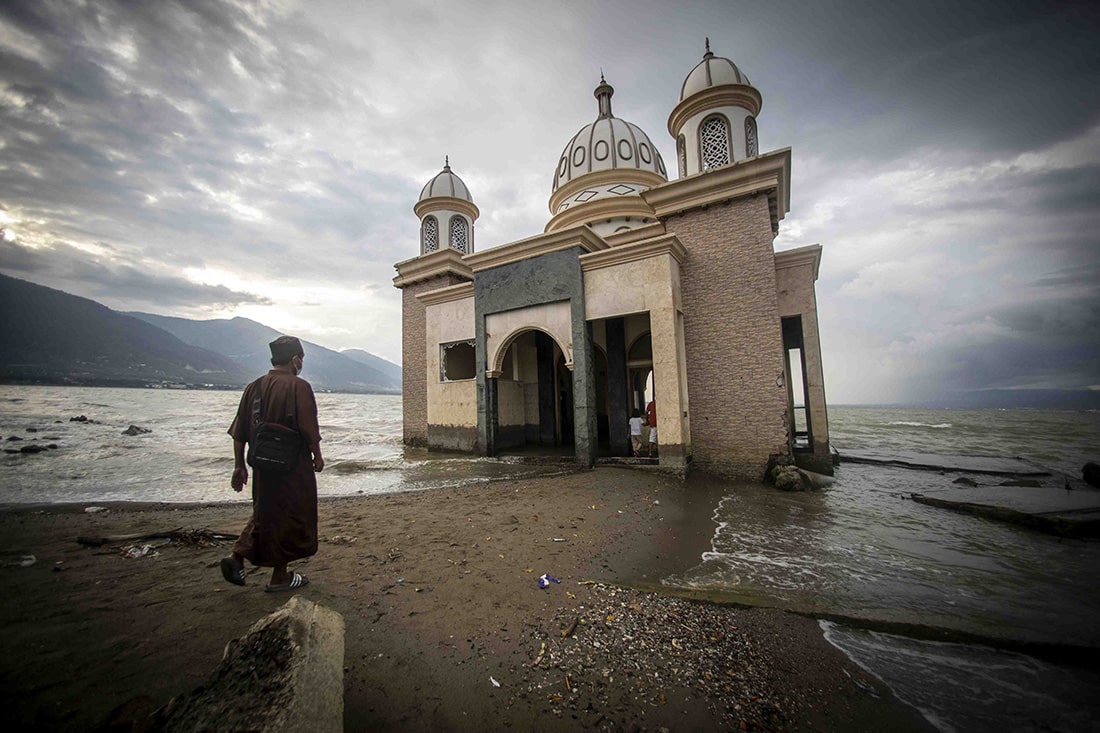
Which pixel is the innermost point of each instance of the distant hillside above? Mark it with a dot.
(49, 336)
(245, 342)
(390, 369)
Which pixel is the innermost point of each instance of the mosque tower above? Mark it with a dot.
(714, 123)
(447, 213)
(602, 171)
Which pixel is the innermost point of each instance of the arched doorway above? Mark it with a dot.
(534, 397)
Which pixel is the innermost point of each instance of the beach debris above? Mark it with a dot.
(493, 681)
(136, 430)
(342, 539)
(558, 539)
(546, 579)
(572, 627)
(542, 653)
(568, 683)
(135, 551)
(195, 537)
(95, 509)
(24, 561)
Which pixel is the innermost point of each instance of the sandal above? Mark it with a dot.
(296, 581)
(232, 572)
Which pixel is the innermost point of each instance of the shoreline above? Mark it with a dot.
(437, 589)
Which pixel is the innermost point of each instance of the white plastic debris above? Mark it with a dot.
(495, 683)
(95, 509)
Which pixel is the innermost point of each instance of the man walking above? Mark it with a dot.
(283, 527)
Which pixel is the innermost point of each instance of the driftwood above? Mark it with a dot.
(183, 536)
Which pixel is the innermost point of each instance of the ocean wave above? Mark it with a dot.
(910, 424)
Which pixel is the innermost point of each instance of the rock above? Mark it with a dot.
(14, 437)
(33, 448)
(79, 418)
(965, 481)
(789, 478)
(286, 674)
(135, 430)
(1028, 482)
(1091, 474)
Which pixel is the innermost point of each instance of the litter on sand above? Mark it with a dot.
(545, 580)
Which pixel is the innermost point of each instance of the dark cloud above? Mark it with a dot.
(61, 266)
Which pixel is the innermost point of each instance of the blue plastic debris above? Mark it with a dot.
(545, 580)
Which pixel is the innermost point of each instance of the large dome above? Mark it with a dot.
(446, 184)
(712, 71)
(606, 144)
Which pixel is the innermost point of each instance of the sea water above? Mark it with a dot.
(187, 455)
(861, 549)
(864, 551)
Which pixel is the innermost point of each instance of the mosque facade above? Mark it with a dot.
(638, 285)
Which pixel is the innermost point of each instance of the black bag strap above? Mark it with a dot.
(258, 404)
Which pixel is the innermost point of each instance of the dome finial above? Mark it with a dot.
(603, 95)
(446, 162)
(708, 54)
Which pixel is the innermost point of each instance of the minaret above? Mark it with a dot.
(447, 213)
(714, 123)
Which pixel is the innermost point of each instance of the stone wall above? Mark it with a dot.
(733, 337)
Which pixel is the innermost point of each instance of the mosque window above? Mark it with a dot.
(429, 234)
(681, 156)
(714, 139)
(459, 238)
(751, 147)
(457, 361)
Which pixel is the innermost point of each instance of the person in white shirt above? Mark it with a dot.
(636, 433)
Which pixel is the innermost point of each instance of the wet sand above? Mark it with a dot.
(439, 595)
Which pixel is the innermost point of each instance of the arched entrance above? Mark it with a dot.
(534, 397)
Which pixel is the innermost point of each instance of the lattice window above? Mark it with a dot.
(715, 142)
(681, 155)
(751, 145)
(459, 238)
(429, 234)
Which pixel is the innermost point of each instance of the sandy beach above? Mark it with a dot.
(439, 593)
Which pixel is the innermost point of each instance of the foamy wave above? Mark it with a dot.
(910, 424)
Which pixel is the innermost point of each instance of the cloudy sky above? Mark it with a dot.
(211, 159)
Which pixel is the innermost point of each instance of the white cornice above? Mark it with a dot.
(724, 95)
(808, 255)
(446, 203)
(592, 211)
(447, 294)
(667, 244)
(769, 173)
(539, 244)
(442, 262)
(637, 234)
(638, 176)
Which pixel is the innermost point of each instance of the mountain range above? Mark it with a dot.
(52, 337)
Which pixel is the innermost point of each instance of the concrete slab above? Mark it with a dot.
(1061, 511)
(990, 465)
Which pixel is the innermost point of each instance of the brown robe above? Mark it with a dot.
(283, 526)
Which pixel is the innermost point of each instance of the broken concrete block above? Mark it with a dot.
(286, 675)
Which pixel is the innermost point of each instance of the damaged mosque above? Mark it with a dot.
(641, 287)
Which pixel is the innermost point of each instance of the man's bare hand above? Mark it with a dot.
(240, 478)
(318, 463)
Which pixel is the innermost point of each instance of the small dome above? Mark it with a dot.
(608, 143)
(712, 71)
(446, 183)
